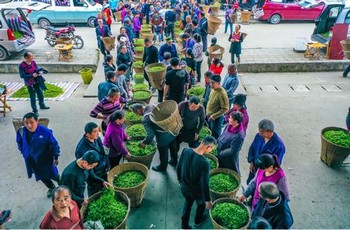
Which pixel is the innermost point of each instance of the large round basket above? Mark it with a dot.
(215, 10)
(245, 16)
(227, 200)
(147, 35)
(216, 195)
(137, 58)
(213, 24)
(205, 9)
(118, 15)
(145, 160)
(139, 79)
(331, 154)
(166, 115)
(346, 54)
(139, 52)
(134, 193)
(212, 157)
(146, 100)
(119, 195)
(138, 69)
(345, 44)
(156, 78)
(216, 52)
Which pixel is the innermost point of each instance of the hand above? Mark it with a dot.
(241, 198)
(196, 136)
(251, 168)
(142, 144)
(85, 203)
(55, 162)
(35, 75)
(208, 204)
(106, 184)
(128, 156)
(211, 117)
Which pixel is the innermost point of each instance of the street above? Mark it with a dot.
(319, 194)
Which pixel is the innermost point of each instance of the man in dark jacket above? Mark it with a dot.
(104, 87)
(193, 176)
(165, 140)
(150, 55)
(273, 207)
(170, 18)
(203, 28)
(91, 141)
(170, 47)
(207, 76)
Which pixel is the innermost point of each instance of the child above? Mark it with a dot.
(216, 66)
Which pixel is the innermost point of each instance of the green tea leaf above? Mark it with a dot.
(222, 182)
(129, 179)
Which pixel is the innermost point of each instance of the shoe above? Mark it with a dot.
(202, 221)
(44, 107)
(158, 168)
(345, 75)
(49, 192)
(186, 227)
(173, 163)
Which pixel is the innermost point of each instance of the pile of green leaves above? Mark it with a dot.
(135, 149)
(214, 151)
(142, 86)
(107, 209)
(338, 137)
(138, 42)
(156, 69)
(138, 76)
(222, 182)
(177, 24)
(139, 48)
(129, 179)
(145, 30)
(196, 91)
(212, 163)
(137, 130)
(131, 116)
(138, 64)
(205, 131)
(18, 34)
(145, 26)
(142, 95)
(178, 31)
(51, 92)
(229, 215)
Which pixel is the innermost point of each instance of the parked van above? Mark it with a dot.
(66, 11)
(16, 32)
(335, 13)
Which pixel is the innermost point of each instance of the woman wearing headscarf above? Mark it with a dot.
(230, 142)
(268, 170)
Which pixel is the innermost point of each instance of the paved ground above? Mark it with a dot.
(300, 104)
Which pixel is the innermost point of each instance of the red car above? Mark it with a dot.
(274, 11)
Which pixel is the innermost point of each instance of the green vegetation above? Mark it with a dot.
(137, 130)
(145, 30)
(222, 182)
(205, 131)
(18, 34)
(214, 151)
(131, 116)
(52, 91)
(129, 179)
(196, 91)
(139, 48)
(138, 76)
(229, 215)
(138, 64)
(107, 209)
(142, 95)
(139, 42)
(213, 164)
(156, 69)
(338, 137)
(135, 149)
(142, 86)
(178, 31)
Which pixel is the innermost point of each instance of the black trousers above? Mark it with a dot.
(49, 183)
(114, 161)
(35, 90)
(346, 71)
(164, 153)
(186, 211)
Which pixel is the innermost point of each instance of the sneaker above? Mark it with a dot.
(202, 221)
(173, 163)
(44, 107)
(49, 192)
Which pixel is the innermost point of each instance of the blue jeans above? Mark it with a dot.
(216, 126)
(33, 91)
(228, 23)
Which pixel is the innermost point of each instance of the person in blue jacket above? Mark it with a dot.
(101, 32)
(40, 151)
(170, 47)
(265, 141)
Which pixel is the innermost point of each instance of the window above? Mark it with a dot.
(347, 18)
(333, 12)
(62, 3)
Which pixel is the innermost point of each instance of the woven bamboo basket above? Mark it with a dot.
(166, 115)
(233, 18)
(145, 160)
(213, 24)
(228, 200)
(146, 100)
(245, 16)
(206, 9)
(216, 52)
(216, 195)
(134, 193)
(147, 35)
(215, 10)
(346, 54)
(331, 154)
(134, 137)
(137, 58)
(212, 157)
(119, 195)
(177, 24)
(18, 122)
(131, 122)
(156, 78)
(109, 43)
(139, 80)
(345, 44)
(139, 52)
(118, 15)
(137, 69)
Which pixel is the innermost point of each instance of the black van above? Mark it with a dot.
(335, 13)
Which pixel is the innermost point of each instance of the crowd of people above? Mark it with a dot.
(221, 109)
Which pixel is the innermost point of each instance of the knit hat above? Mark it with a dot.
(240, 100)
(216, 78)
(266, 160)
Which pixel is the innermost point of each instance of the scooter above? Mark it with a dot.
(52, 34)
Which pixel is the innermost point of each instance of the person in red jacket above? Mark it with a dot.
(216, 66)
(107, 14)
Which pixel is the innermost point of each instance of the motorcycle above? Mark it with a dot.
(52, 34)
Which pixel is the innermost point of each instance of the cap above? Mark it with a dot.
(240, 100)
(216, 78)
(123, 39)
(183, 63)
(168, 39)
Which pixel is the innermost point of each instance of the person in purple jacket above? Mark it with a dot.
(115, 137)
(136, 24)
(239, 105)
(188, 41)
(230, 142)
(265, 141)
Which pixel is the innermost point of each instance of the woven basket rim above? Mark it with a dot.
(335, 129)
(224, 171)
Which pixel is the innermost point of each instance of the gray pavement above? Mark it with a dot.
(300, 104)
